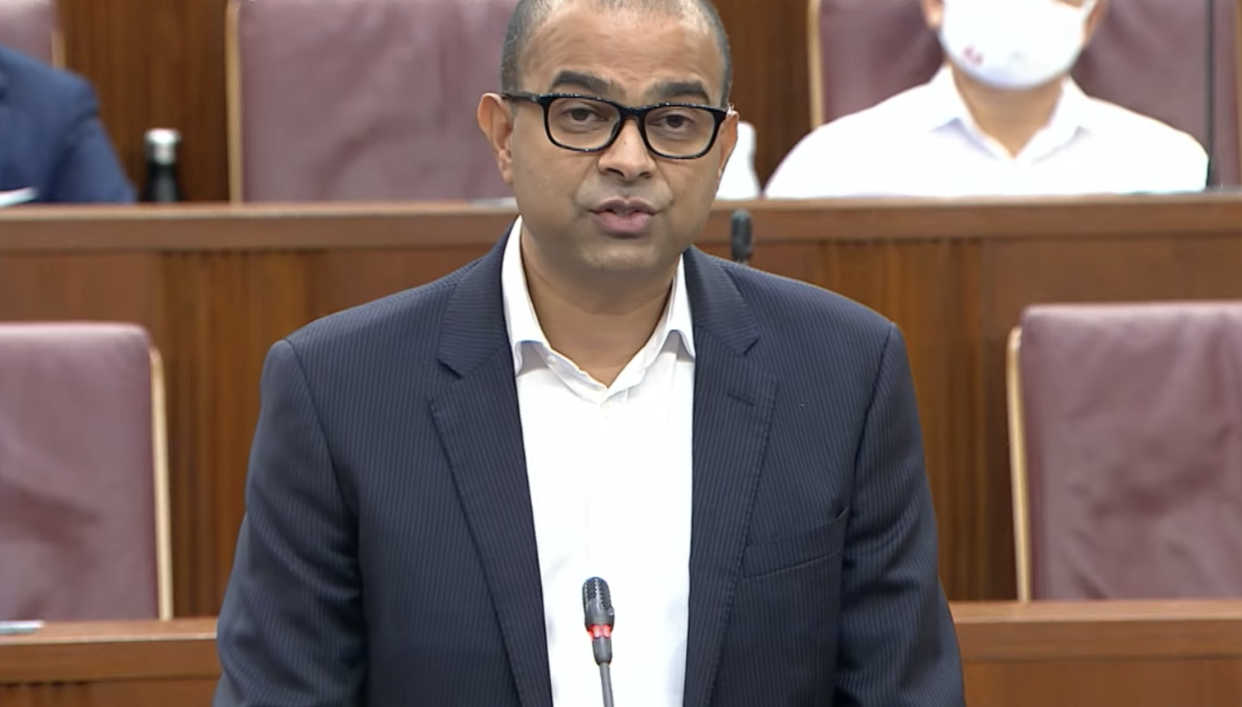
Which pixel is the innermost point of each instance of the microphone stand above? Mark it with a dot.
(1213, 176)
(605, 679)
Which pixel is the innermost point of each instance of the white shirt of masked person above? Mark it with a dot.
(739, 180)
(924, 142)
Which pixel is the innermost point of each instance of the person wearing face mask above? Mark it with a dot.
(1002, 117)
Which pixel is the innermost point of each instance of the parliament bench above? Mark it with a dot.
(1089, 654)
(217, 285)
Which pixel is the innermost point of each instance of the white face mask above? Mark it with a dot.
(1014, 44)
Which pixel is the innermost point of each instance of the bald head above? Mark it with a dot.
(529, 16)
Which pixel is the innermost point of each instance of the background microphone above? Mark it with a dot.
(741, 238)
(1209, 45)
(597, 609)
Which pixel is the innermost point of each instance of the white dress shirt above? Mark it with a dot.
(610, 473)
(924, 142)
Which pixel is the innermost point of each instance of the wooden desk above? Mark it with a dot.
(1130, 654)
(218, 285)
(118, 664)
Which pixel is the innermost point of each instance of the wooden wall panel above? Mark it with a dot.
(82, 287)
(156, 63)
(229, 308)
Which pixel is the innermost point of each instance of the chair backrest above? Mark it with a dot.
(348, 100)
(864, 51)
(83, 476)
(1151, 56)
(31, 27)
(1126, 442)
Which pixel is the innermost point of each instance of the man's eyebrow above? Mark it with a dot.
(589, 83)
(599, 86)
(669, 90)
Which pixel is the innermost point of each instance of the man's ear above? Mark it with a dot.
(495, 116)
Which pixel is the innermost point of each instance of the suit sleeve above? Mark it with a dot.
(898, 646)
(291, 633)
(87, 169)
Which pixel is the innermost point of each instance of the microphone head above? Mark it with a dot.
(597, 603)
(741, 235)
(741, 220)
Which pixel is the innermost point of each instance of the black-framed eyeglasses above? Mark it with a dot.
(676, 131)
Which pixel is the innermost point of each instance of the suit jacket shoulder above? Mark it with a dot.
(806, 320)
(407, 318)
(54, 140)
(399, 334)
(38, 86)
(416, 308)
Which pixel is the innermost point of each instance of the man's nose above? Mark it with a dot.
(628, 157)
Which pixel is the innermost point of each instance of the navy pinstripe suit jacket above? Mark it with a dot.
(388, 554)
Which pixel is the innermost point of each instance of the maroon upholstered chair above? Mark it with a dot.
(83, 476)
(31, 27)
(346, 100)
(1126, 450)
(864, 51)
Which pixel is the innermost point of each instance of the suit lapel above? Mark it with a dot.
(480, 427)
(733, 401)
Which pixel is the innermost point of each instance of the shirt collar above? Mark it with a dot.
(945, 105)
(523, 323)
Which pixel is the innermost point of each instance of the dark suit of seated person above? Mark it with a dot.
(51, 140)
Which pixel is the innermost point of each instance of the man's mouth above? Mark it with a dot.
(622, 210)
(625, 207)
(624, 218)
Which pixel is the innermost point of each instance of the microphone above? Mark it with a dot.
(597, 609)
(741, 239)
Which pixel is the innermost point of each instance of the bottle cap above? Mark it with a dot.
(162, 145)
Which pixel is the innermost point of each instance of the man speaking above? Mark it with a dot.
(738, 455)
